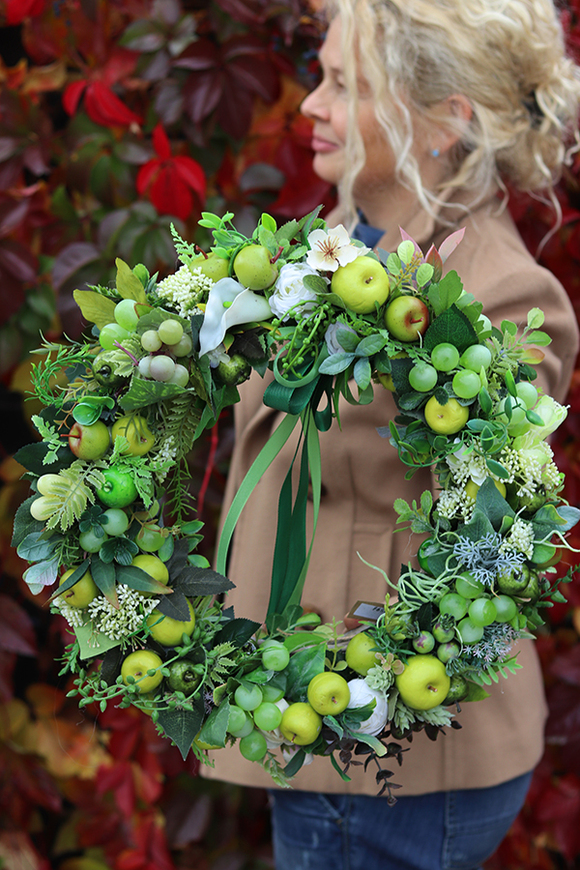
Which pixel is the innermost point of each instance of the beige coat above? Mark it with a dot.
(502, 736)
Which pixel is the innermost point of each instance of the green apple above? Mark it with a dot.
(211, 266)
(82, 593)
(119, 488)
(328, 693)
(445, 419)
(361, 283)
(254, 269)
(169, 631)
(424, 683)
(361, 653)
(137, 432)
(301, 724)
(153, 566)
(138, 664)
(89, 442)
(407, 317)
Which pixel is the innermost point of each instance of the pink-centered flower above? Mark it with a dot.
(332, 248)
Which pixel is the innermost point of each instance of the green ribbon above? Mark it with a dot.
(291, 560)
(259, 466)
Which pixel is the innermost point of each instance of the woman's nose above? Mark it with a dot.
(313, 106)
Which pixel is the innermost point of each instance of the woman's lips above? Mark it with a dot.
(322, 146)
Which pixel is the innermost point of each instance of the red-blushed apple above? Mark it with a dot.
(407, 317)
(89, 442)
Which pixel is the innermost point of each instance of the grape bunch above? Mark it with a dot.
(163, 346)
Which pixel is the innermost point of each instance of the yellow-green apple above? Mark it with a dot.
(361, 283)
(446, 419)
(300, 724)
(169, 631)
(137, 664)
(89, 442)
(361, 653)
(82, 593)
(407, 317)
(211, 266)
(328, 693)
(254, 268)
(424, 684)
(136, 430)
(153, 566)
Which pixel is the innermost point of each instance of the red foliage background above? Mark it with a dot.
(117, 118)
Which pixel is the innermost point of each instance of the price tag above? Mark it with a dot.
(367, 610)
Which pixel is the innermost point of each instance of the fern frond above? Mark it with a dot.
(71, 493)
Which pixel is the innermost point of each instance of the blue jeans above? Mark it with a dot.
(454, 830)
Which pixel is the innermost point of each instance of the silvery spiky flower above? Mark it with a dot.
(495, 645)
(485, 558)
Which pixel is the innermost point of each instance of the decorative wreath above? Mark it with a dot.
(111, 520)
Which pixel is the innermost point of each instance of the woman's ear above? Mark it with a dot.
(455, 114)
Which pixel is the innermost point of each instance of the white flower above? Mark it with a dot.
(229, 304)
(331, 337)
(290, 291)
(361, 694)
(330, 249)
(185, 289)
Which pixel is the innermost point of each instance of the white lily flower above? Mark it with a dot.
(330, 249)
(228, 304)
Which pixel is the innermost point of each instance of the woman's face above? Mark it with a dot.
(327, 107)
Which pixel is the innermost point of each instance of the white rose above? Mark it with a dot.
(360, 695)
(289, 290)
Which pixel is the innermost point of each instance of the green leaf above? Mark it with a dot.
(362, 373)
(128, 284)
(541, 339)
(509, 327)
(370, 345)
(304, 665)
(214, 728)
(41, 575)
(535, 318)
(137, 579)
(93, 643)
(269, 223)
(498, 469)
(451, 326)
(296, 762)
(347, 339)
(175, 606)
(475, 692)
(103, 574)
(36, 547)
(336, 363)
(424, 274)
(95, 307)
(181, 726)
(144, 392)
(236, 631)
(376, 745)
(73, 578)
(445, 293)
(492, 503)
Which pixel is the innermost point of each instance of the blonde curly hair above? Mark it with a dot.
(507, 57)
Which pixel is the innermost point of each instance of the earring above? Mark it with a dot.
(435, 152)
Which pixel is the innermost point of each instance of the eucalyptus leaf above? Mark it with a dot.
(36, 547)
(336, 363)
